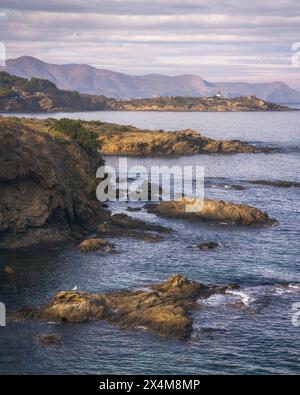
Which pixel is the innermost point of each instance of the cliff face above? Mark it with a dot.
(47, 187)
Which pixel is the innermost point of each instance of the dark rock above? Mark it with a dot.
(134, 209)
(211, 245)
(279, 184)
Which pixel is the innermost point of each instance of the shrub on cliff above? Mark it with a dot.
(74, 128)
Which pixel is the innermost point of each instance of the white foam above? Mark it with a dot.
(245, 298)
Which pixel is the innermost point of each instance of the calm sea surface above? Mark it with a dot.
(258, 338)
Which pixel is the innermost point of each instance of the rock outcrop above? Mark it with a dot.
(216, 211)
(47, 187)
(136, 142)
(122, 225)
(163, 309)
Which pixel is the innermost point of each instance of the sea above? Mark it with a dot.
(258, 335)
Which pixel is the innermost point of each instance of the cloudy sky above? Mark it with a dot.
(221, 40)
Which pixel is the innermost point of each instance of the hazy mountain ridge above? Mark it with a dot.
(18, 94)
(88, 79)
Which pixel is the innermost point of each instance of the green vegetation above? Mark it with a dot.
(74, 129)
(9, 84)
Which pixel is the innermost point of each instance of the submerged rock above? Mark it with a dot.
(280, 184)
(47, 339)
(99, 245)
(211, 245)
(134, 209)
(162, 309)
(217, 211)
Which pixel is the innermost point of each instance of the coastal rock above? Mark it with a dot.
(122, 225)
(47, 186)
(125, 221)
(162, 309)
(99, 245)
(212, 211)
(136, 142)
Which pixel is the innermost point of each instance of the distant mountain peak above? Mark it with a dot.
(88, 79)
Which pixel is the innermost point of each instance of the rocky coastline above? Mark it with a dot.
(40, 95)
(48, 183)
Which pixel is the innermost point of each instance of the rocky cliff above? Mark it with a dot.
(47, 186)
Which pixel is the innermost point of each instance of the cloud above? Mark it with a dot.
(216, 39)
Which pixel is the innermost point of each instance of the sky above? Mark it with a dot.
(220, 40)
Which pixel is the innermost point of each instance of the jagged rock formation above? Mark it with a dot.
(163, 309)
(212, 211)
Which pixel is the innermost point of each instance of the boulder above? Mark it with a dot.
(99, 245)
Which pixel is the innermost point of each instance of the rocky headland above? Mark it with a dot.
(136, 142)
(199, 104)
(47, 188)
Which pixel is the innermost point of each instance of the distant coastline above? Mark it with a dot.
(19, 95)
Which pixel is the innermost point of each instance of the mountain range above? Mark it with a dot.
(87, 79)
